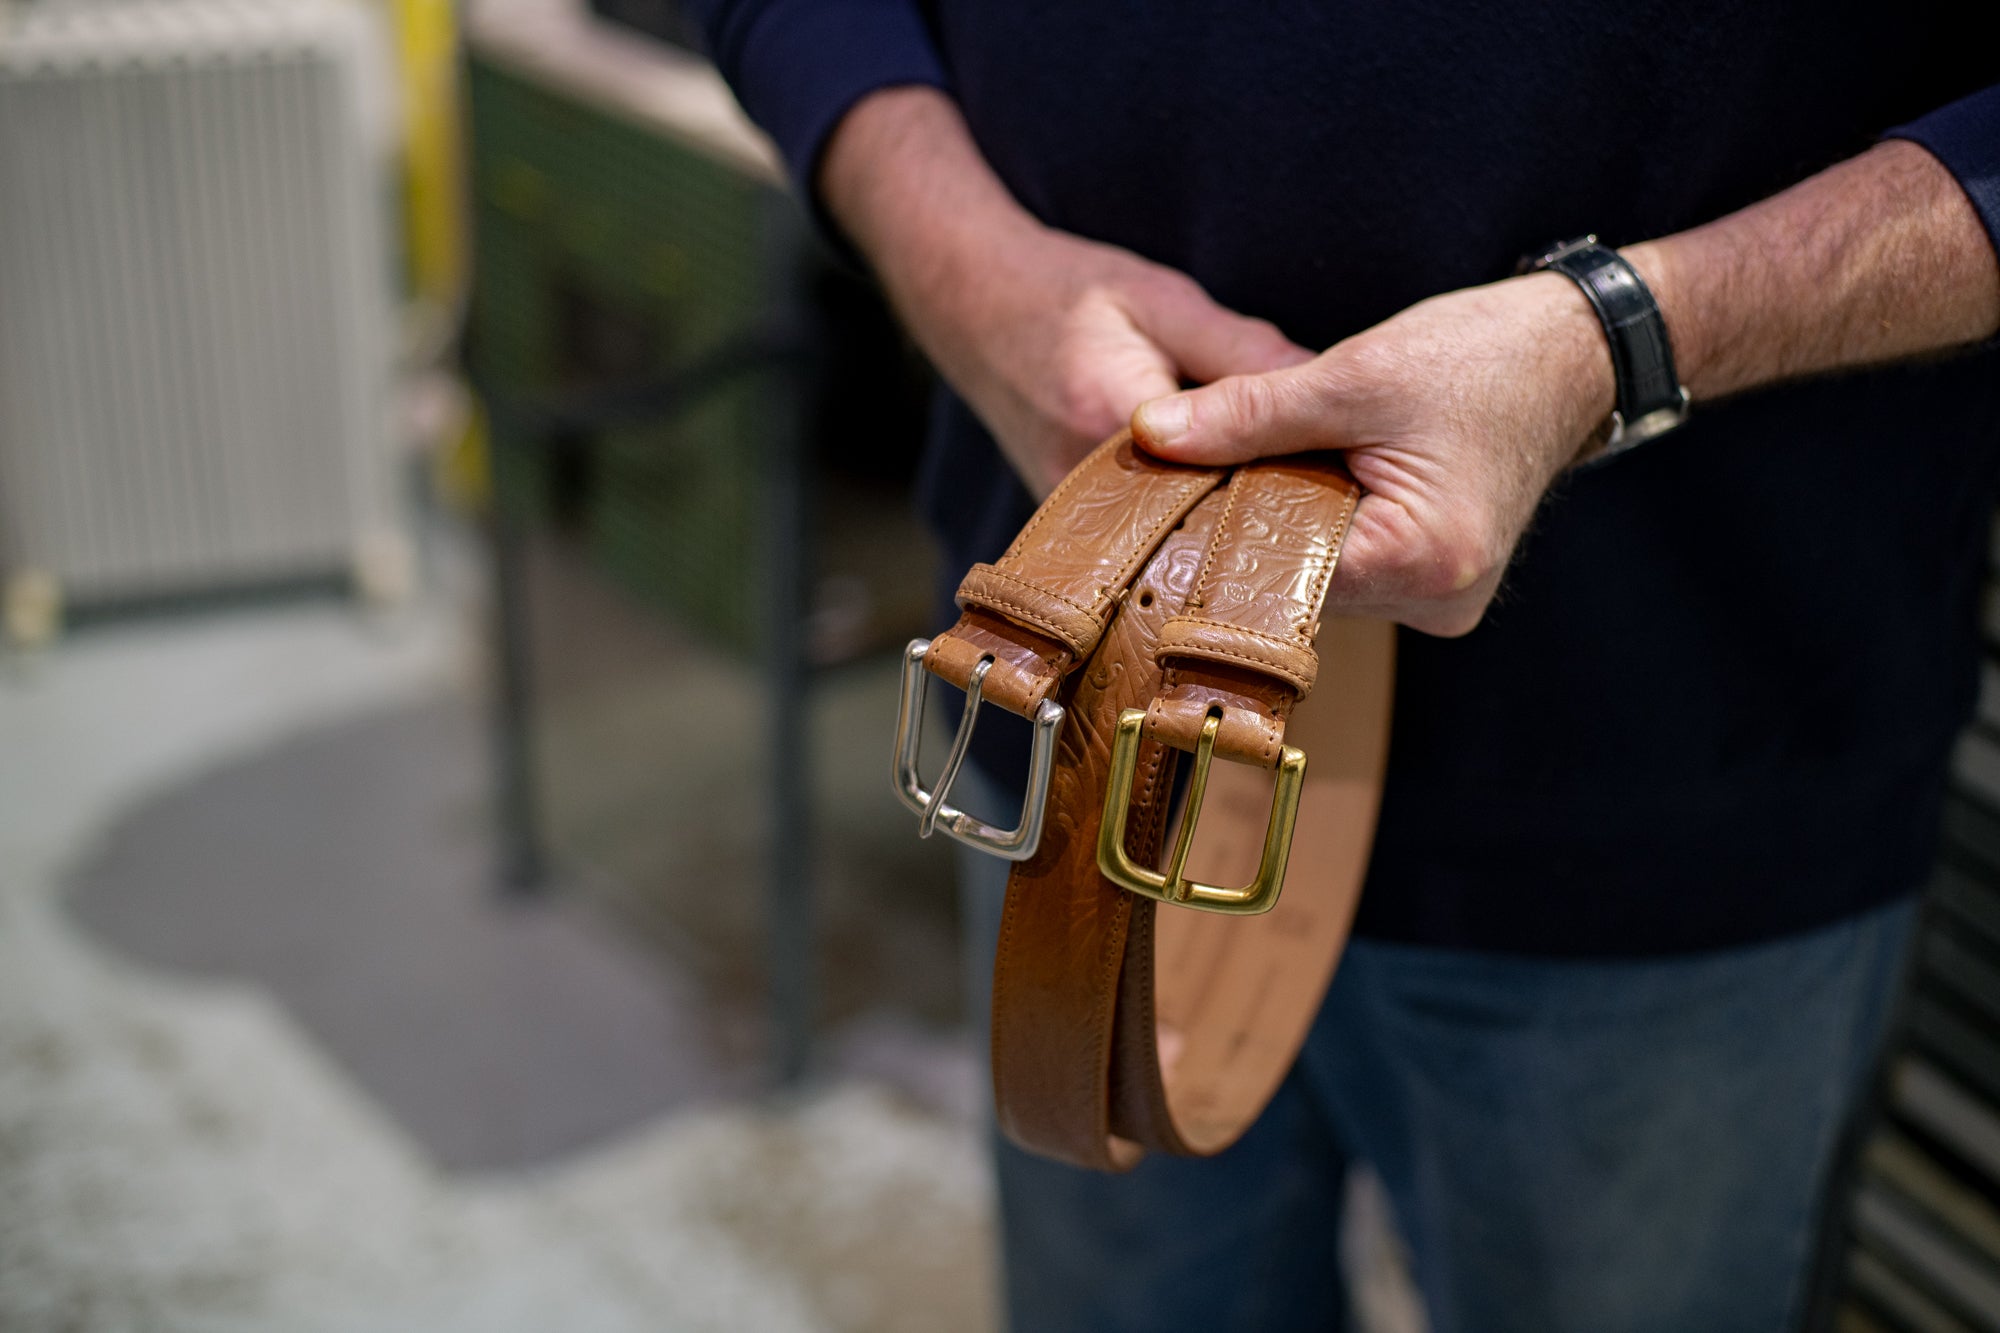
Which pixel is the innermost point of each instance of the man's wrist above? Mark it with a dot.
(1650, 398)
(1585, 381)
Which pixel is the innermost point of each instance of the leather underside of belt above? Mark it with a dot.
(1184, 603)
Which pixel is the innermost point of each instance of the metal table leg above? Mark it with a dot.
(789, 897)
(523, 861)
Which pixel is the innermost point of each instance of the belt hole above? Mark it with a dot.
(1145, 597)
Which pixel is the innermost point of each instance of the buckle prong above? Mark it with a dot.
(1204, 755)
(954, 759)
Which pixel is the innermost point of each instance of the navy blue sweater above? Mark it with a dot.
(1714, 701)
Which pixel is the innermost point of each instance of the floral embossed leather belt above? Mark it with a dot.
(1147, 611)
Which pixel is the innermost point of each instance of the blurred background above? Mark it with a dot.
(455, 541)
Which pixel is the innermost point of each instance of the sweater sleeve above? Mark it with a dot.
(799, 65)
(1965, 136)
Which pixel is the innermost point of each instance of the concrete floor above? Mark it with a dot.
(182, 1146)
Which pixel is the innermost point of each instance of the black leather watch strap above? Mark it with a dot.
(1651, 400)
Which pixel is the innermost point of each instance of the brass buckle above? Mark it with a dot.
(1261, 895)
(933, 813)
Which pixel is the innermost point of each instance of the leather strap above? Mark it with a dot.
(1063, 932)
(1042, 609)
(1118, 1027)
(1233, 997)
(1243, 642)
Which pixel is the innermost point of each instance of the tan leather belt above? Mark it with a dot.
(1147, 610)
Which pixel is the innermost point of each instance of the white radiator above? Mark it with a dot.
(196, 313)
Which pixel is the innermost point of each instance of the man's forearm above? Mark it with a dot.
(1879, 258)
(907, 184)
(1455, 414)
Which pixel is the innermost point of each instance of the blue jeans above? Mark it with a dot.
(1569, 1146)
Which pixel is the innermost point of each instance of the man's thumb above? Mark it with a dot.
(1234, 420)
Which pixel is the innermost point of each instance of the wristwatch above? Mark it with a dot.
(1651, 401)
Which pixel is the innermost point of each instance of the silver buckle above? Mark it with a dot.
(934, 814)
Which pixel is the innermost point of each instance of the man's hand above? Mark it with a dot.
(1456, 414)
(1052, 339)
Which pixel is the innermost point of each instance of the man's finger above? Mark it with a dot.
(1208, 341)
(1131, 380)
(1103, 366)
(1240, 418)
